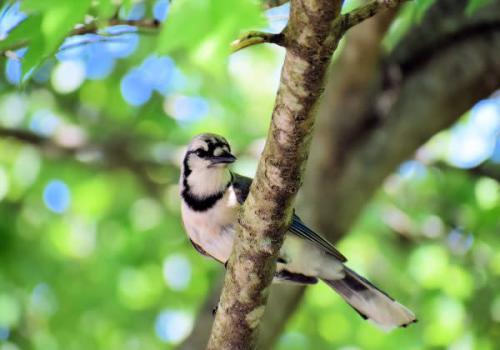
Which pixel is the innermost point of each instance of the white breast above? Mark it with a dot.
(213, 229)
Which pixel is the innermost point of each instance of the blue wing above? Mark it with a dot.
(241, 185)
(300, 229)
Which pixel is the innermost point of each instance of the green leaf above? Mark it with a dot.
(474, 5)
(58, 17)
(22, 33)
(421, 7)
(106, 9)
(188, 24)
(207, 27)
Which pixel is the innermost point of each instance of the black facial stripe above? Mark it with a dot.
(185, 164)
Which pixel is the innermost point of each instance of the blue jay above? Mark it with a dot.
(211, 195)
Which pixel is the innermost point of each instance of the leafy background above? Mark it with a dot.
(92, 252)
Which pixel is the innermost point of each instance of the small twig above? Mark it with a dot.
(95, 27)
(350, 19)
(254, 38)
(269, 4)
(112, 154)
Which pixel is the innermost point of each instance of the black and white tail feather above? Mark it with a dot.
(370, 302)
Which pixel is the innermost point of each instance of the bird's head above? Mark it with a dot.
(208, 151)
(205, 164)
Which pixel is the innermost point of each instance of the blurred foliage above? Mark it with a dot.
(92, 252)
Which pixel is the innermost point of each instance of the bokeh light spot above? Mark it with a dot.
(4, 333)
(146, 214)
(173, 326)
(99, 64)
(136, 12)
(4, 183)
(495, 309)
(12, 110)
(10, 311)
(124, 45)
(42, 300)
(177, 271)
(186, 108)
(429, 265)
(139, 288)
(134, 89)
(158, 72)
(446, 324)
(487, 193)
(13, 71)
(68, 76)
(160, 9)
(56, 196)
(44, 122)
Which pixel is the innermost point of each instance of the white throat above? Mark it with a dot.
(208, 181)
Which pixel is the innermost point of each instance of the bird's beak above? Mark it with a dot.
(225, 158)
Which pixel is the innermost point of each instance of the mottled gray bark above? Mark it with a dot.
(268, 208)
(349, 77)
(313, 32)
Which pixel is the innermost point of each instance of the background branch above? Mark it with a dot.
(115, 153)
(350, 19)
(95, 27)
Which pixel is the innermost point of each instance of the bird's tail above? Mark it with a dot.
(370, 302)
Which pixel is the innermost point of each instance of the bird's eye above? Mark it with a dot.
(199, 152)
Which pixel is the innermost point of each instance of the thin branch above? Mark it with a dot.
(97, 27)
(35, 140)
(350, 19)
(486, 169)
(269, 4)
(254, 38)
(111, 154)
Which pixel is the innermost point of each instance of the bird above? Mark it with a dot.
(211, 195)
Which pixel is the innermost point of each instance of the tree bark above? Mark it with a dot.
(349, 76)
(268, 208)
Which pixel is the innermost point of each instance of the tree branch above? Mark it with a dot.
(269, 4)
(350, 19)
(254, 38)
(350, 76)
(486, 169)
(268, 208)
(110, 154)
(93, 28)
(36, 140)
